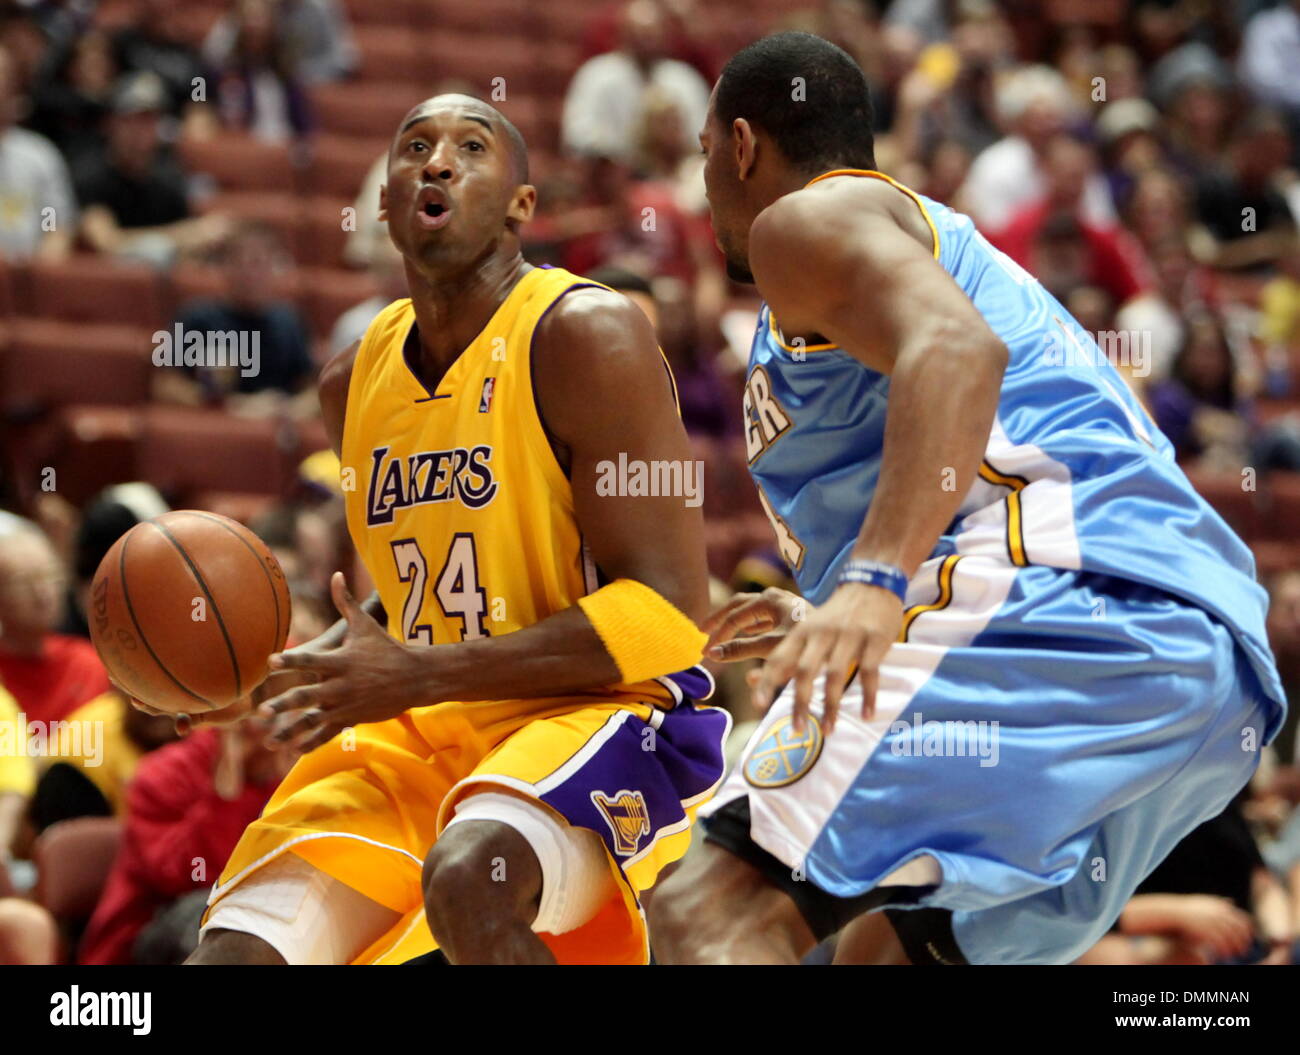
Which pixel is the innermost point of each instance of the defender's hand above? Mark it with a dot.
(368, 678)
(750, 625)
(853, 629)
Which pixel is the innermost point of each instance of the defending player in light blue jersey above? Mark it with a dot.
(1028, 658)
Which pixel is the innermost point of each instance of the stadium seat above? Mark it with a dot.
(185, 451)
(499, 18)
(390, 13)
(237, 505)
(1281, 519)
(1225, 492)
(389, 53)
(91, 447)
(371, 109)
(340, 164)
(8, 299)
(281, 211)
(73, 859)
(479, 60)
(86, 288)
(47, 364)
(321, 237)
(241, 163)
(326, 293)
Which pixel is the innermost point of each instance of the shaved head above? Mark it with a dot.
(488, 115)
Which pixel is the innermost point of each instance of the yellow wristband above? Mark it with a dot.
(646, 635)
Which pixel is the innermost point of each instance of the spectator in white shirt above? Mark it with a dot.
(38, 212)
(603, 106)
(1034, 104)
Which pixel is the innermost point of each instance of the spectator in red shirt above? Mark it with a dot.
(50, 675)
(1113, 261)
(186, 808)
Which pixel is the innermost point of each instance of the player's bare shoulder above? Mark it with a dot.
(595, 350)
(335, 378)
(591, 328)
(810, 249)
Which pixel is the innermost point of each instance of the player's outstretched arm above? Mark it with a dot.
(603, 391)
(846, 262)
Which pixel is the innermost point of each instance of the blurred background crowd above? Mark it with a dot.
(216, 164)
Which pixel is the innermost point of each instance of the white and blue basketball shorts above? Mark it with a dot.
(1044, 736)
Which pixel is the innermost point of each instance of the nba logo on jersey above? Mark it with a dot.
(627, 817)
(485, 401)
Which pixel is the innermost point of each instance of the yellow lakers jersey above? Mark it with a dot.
(455, 500)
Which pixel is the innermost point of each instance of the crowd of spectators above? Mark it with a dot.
(1139, 158)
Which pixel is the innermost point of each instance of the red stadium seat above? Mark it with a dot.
(1281, 518)
(73, 859)
(391, 13)
(87, 288)
(1226, 493)
(8, 295)
(326, 293)
(479, 60)
(390, 53)
(49, 364)
(240, 162)
(185, 451)
(340, 164)
(281, 211)
(321, 235)
(193, 282)
(369, 110)
(492, 17)
(237, 505)
(91, 447)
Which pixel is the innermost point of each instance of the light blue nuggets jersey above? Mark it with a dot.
(1075, 474)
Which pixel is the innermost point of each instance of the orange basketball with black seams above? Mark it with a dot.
(186, 609)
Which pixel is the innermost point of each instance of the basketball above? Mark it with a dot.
(186, 609)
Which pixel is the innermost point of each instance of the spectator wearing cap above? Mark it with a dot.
(1192, 87)
(1034, 104)
(1128, 134)
(38, 212)
(134, 195)
(154, 41)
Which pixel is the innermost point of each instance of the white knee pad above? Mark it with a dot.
(576, 879)
(306, 916)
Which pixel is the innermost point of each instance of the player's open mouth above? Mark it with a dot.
(435, 211)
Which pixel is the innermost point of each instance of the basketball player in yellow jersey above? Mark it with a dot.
(520, 753)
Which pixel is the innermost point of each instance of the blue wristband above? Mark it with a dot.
(874, 573)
